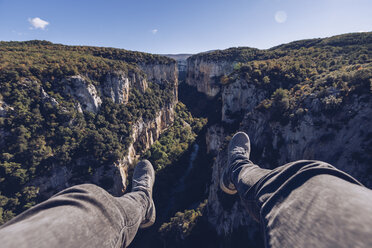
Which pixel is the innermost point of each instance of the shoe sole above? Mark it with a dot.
(227, 190)
(151, 221)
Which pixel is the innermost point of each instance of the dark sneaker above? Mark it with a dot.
(143, 180)
(239, 145)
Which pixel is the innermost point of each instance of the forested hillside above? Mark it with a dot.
(309, 99)
(43, 124)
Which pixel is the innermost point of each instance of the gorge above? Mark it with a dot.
(91, 114)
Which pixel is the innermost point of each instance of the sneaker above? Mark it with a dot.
(239, 144)
(143, 180)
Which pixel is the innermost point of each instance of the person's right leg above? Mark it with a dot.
(303, 204)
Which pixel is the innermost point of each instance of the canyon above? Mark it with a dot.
(308, 99)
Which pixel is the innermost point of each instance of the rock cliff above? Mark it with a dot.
(206, 75)
(324, 115)
(144, 134)
(162, 74)
(115, 85)
(89, 94)
(347, 133)
(240, 96)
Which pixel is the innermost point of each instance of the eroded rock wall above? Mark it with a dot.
(206, 75)
(341, 137)
(240, 96)
(162, 74)
(146, 132)
(89, 94)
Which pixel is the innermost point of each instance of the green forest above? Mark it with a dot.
(40, 133)
(329, 69)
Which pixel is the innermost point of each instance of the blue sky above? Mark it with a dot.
(175, 26)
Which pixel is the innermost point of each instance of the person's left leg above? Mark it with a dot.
(85, 216)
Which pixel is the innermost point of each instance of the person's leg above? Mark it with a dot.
(85, 216)
(304, 203)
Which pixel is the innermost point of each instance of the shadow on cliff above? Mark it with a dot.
(199, 104)
(170, 198)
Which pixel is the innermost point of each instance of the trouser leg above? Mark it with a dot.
(307, 204)
(80, 216)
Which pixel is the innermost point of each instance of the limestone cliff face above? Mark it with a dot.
(240, 96)
(205, 75)
(84, 92)
(237, 96)
(341, 138)
(214, 137)
(146, 132)
(3, 108)
(115, 85)
(89, 94)
(162, 73)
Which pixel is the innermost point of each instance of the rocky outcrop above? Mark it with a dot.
(206, 75)
(84, 91)
(3, 108)
(163, 74)
(47, 98)
(160, 73)
(146, 132)
(240, 96)
(341, 138)
(214, 139)
(117, 86)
